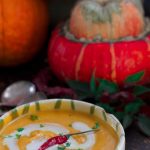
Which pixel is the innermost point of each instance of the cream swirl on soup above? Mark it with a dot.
(11, 141)
(30, 131)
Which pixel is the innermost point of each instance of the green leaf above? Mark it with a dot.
(78, 86)
(61, 148)
(82, 89)
(41, 125)
(119, 115)
(127, 121)
(20, 129)
(135, 77)
(134, 107)
(144, 124)
(17, 136)
(34, 117)
(83, 95)
(96, 126)
(107, 86)
(107, 107)
(68, 144)
(93, 85)
(138, 100)
(138, 90)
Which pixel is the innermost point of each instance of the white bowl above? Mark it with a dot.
(75, 105)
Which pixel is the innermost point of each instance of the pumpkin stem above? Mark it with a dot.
(103, 2)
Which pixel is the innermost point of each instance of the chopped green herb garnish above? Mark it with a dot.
(64, 147)
(18, 136)
(34, 117)
(41, 125)
(96, 126)
(20, 129)
(68, 144)
(70, 125)
(61, 147)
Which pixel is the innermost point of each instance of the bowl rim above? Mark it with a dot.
(121, 143)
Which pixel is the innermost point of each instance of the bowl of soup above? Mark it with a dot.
(29, 126)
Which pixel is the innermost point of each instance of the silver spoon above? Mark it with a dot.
(34, 97)
(17, 91)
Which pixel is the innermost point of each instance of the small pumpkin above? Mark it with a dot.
(109, 19)
(114, 58)
(23, 29)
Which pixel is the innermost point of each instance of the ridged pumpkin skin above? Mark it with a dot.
(108, 19)
(71, 60)
(23, 29)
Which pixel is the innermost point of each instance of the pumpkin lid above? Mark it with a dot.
(109, 19)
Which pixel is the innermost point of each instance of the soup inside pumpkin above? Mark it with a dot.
(30, 131)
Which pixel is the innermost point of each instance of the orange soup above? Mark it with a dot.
(30, 131)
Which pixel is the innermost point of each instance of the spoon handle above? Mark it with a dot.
(2, 104)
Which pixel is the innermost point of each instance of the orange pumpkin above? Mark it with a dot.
(108, 19)
(23, 28)
(123, 50)
(74, 60)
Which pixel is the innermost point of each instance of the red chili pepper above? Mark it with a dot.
(53, 141)
(61, 139)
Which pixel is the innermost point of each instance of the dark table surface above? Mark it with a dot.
(134, 139)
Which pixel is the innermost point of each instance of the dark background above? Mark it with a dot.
(59, 11)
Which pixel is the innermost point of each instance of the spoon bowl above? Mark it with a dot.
(17, 91)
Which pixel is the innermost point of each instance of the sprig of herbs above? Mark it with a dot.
(123, 101)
